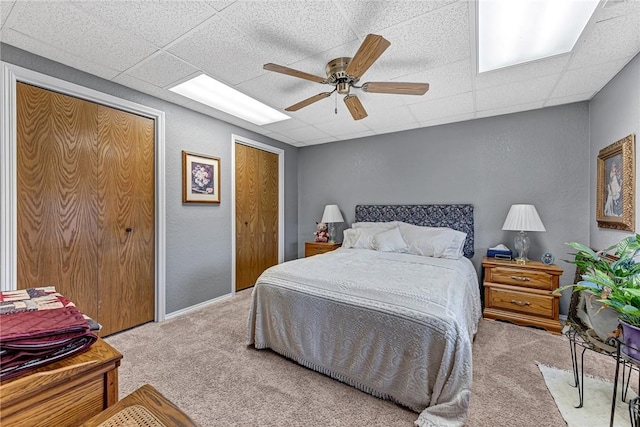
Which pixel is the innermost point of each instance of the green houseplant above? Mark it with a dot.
(614, 280)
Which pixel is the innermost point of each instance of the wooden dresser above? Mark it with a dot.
(315, 248)
(522, 293)
(65, 393)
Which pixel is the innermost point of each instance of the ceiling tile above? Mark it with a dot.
(342, 126)
(588, 79)
(220, 5)
(162, 69)
(510, 109)
(357, 135)
(382, 119)
(285, 125)
(158, 22)
(37, 47)
(623, 32)
(307, 133)
(298, 144)
(320, 141)
(443, 107)
(398, 128)
(569, 99)
(223, 52)
(522, 72)
(5, 8)
(282, 138)
(367, 16)
(450, 119)
(515, 93)
(413, 49)
(448, 80)
(131, 81)
(297, 29)
(83, 35)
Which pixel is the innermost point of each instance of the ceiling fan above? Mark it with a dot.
(344, 73)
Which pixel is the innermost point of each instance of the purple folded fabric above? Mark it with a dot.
(28, 364)
(38, 326)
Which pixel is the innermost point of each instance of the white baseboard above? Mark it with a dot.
(196, 307)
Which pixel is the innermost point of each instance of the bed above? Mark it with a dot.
(399, 326)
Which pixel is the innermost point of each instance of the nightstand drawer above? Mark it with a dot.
(520, 277)
(521, 302)
(315, 248)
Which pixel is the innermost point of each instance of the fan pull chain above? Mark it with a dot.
(336, 110)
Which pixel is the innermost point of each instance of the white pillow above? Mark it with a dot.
(389, 241)
(437, 242)
(450, 244)
(350, 237)
(381, 225)
(365, 237)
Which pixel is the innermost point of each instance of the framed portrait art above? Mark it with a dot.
(615, 198)
(200, 178)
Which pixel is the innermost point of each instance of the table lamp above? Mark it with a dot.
(522, 218)
(330, 216)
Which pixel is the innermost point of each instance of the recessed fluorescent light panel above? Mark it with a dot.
(211, 92)
(511, 32)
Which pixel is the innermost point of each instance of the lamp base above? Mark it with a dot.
(521, 243)
(332, 233)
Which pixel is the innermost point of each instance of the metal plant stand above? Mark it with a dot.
(585, 339)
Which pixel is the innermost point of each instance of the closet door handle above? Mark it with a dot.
(128, 229)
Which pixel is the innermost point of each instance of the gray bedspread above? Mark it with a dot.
(397, 326)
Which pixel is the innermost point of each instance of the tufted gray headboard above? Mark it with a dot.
(458, 217)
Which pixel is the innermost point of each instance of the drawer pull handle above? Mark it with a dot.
(522, 278)
(516, 302)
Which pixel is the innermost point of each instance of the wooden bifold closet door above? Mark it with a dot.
(85, 208)
(256, 213)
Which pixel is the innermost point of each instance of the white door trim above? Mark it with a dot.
(255, 144)
(11, 74)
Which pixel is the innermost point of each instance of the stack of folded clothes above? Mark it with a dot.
(39, 326)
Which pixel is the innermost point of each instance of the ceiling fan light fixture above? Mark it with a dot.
(208, 91)
(343, 88)
(343, 73)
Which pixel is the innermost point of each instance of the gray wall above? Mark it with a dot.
(198, 236)
(537, 157)
(614, 114)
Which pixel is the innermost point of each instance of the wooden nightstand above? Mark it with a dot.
(315, 248)
(522, 293)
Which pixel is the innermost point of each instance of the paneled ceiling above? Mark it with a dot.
(151, 45)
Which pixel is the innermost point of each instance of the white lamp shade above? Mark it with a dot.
(523, 218)
(332, 214)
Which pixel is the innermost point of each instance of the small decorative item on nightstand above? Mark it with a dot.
(522, 294)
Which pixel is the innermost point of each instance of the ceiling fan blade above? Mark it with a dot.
(371, 48)
(291, 72)
(308, 101)
(355, 107)
(396, 87)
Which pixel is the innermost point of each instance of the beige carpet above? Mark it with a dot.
(201, 363)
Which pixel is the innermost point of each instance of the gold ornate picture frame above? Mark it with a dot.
(615, 198)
